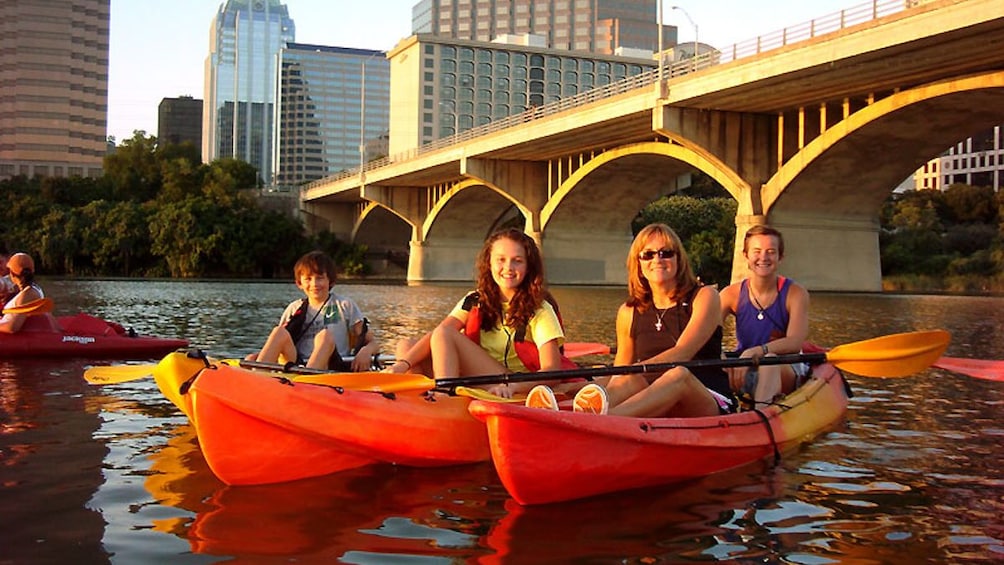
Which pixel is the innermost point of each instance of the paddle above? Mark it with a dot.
(896, 355)
(114, 374)
(988, 369)
(40, 306)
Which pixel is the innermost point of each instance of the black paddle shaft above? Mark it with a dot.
(590, 372)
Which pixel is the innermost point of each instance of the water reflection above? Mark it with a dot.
(47, 454)
(115, 472)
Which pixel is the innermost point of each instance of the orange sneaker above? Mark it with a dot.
(591, 399)
(541, 396)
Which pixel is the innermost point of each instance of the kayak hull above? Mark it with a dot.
(84, 336)
(544, 456)
(257, 429)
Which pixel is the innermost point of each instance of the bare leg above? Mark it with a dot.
(454, 355)
(324, 348)
(768, 384)
(278, 348)
(677, 393)
(416, 351)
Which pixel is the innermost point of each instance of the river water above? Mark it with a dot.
(98, 474)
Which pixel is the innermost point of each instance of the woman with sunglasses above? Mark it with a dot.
(669, 316)
(22, 271)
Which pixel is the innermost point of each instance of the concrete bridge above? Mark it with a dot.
(810, 130)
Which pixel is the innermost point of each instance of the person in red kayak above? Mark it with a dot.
(318, 330)
(772, 317)
(506, 325)
(669, 316)
(7, 287)
(21, 270)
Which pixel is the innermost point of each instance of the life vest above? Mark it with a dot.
(525, 350)
(296, 326)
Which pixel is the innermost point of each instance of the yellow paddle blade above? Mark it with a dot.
(114, 374)
(40, 306)
(896, 355)
(481, 394)
(106, 375)
(370, 381)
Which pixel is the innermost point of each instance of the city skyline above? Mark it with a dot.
(178, 45)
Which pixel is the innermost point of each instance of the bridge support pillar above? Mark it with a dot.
(821, 252)
(586, 257)
(442, 259)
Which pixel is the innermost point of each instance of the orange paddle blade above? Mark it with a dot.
(896, 355)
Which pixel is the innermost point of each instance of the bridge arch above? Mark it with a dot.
(643, 173)
(827, 198)
(470, 202)
(587, 222)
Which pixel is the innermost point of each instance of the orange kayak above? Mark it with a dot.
(544, 456)
(257, 429)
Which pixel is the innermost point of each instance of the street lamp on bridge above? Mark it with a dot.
(691, 20)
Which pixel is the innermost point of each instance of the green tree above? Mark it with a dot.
(970, 204)
(133, 170)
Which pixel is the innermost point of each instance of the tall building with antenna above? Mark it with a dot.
(240, 81)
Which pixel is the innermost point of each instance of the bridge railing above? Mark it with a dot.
(855, 15)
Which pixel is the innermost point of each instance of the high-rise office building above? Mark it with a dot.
(240, 81)
(180, 120)
(976, 161)
(444, 86)
(53, 87)
(597, 26)
(332, 103)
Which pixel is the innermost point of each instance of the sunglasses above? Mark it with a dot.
(648, 254)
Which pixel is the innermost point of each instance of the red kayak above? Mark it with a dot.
(82, 335)
(257, 429)
(545, 456)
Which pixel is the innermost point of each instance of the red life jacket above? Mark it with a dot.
(525, 350)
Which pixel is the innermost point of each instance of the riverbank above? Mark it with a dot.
(969, 285)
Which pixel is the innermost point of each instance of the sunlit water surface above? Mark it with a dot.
(94, 474)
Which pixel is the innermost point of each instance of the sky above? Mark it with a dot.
(158, 48)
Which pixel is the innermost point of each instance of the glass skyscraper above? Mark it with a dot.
(239, 107)
(329, 118)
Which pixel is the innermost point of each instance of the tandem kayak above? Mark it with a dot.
(257, 429)
(82, 335)
(545, 456)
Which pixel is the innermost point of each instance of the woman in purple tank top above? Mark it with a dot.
(772, 317)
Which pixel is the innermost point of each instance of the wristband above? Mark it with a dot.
(764, 347)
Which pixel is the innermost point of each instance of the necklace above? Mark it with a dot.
(658, 321)
(759, 306)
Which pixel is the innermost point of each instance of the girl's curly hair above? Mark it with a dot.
(530, 293)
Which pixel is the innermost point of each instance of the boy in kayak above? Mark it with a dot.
(669, 317)
(505, 326)
(772, 317)
(21, 269)
(319, 329)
